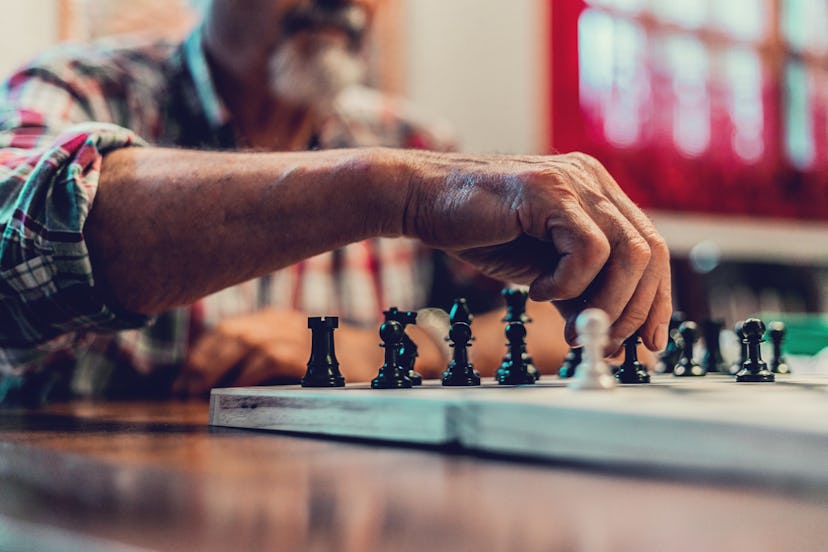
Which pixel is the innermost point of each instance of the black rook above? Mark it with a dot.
(323, 368)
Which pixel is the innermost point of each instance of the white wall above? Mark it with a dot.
(481, 65)
(26, 28)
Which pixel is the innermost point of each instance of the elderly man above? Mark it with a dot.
(140, 178)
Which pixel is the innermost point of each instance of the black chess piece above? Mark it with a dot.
(392, 374)
(526, 359)
(778, 364)
(631, 370)
(686, 366)
(712, 360)
(323, 368)
(515, 305)
(516, 370)
(460, 371)
(671, 354)
(516, 312)
(409, 352)
(571, 361)
(743, 350)
(460, 312)
(754, 368)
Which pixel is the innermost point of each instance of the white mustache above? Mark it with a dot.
(350, 19)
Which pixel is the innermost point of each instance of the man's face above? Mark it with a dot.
(316, 53)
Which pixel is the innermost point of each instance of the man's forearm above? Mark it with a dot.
(170, 226)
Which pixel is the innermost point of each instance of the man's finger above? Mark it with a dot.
(655, 329)
(656, 280)
(212, 357)
(583, 249)
(257, 368)
(276, 363)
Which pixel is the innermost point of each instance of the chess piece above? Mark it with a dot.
(515, 305)
(392, 374)
(743, 351)
(686, 365)
(778, 364)
(460, 312)
(754, 368)
(516, 312)
(592, 326)
(460, 371)
(515, 370)
(409, 352)
(323, 368)
(571, 361)
(712, 360)
(526, 359)
(671, 354)
(632, 371)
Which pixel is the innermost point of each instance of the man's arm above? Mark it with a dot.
(169, 226)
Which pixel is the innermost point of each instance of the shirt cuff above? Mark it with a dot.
(48, 284)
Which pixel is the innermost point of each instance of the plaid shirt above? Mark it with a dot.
(62, 112)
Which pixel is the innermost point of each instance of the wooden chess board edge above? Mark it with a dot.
(650, 442)
(327, 413)
(531, 430)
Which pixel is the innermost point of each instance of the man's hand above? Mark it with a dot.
(270, 346)
(560, 224)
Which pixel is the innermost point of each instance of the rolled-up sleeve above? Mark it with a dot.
(51, 150)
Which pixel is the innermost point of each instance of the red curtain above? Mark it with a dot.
(735, 168)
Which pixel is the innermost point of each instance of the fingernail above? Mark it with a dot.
(661, 337)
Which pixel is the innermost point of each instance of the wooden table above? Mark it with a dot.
(129, 475)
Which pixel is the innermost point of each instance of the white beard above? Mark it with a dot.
(316, 79)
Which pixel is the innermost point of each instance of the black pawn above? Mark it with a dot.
(409, 353)
(672, 353)
(460, 371)
(323, 368)
(460, 312)
(712, 360)
(632, 371)
(571, 361)
(754, 369)
(515, 305)
(778, 364)
(686, 366)
(512, 371)
(743, 351)
(392, 375)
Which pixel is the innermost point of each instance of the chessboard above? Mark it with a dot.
(710, 424)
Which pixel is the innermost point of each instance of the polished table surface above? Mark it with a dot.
(155, 476)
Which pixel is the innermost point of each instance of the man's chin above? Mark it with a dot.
(313, 79)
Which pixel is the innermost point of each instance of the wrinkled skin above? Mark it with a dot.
(559, 224)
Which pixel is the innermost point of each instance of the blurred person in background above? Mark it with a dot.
(173, 212)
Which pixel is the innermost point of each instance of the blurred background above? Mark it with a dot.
(713, 115)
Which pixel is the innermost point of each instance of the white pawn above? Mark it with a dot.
(592, 326)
